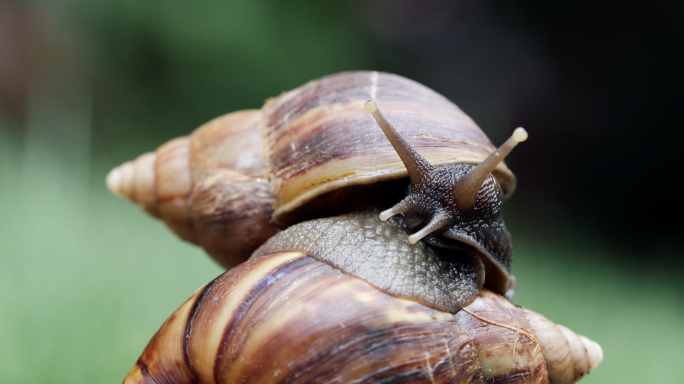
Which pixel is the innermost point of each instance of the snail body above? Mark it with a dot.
(314, 153)
(356, 273)
(289, 318)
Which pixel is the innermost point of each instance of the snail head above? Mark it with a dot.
(451, 198)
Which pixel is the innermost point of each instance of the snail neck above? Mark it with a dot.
(362, 245)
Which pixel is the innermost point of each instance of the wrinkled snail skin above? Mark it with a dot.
(288, 318)
(378, 252)
(227, 185)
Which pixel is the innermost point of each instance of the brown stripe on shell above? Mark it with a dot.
(233, 338)
(163, 360)
(232, 215)
(231, 198)
(173, 184)
(218, 307)
(318, 137)
(191, 317)
(143, 369)
(510, 353)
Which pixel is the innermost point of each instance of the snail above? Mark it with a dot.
(311, 177)
(314, 153)
(289, 318)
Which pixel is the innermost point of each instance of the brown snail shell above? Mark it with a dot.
(317, 139)
(357, 303)
(226, 185)
(288, 318)
(210, 188)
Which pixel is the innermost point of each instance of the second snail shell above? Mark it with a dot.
(288, 318)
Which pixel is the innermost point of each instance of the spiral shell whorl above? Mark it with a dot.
(134, 180)
(210, 188)
(286, 317)
(569, 356)
(160, 183)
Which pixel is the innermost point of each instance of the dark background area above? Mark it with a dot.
(598, 85)
(87, 85)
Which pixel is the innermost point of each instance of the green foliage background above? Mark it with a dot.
(86, 278)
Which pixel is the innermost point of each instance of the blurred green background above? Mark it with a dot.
(87, 278)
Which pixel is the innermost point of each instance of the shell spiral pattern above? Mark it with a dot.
(288, 318)
(210, 188)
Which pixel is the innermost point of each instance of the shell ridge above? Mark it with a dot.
(224, 357)
(191, 317)
(555, 348)
(496, 327)
(514, 329)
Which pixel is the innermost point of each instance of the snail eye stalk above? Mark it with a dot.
(440, 220)
(467, 187)
(418, 168)
(401, 207)
(431, 180)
